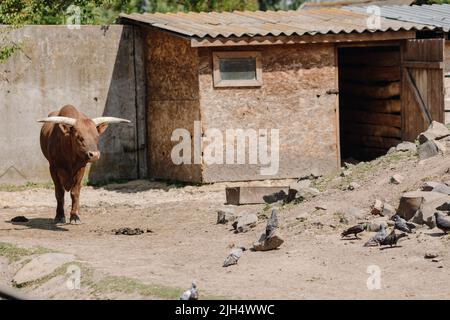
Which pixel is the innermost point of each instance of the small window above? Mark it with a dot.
(237, 69)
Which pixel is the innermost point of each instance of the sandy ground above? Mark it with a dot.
(186, 243)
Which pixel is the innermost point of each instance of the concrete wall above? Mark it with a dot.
(292, 99)
(93, 68)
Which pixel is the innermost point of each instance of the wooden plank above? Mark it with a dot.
(372, 130)
(386, 119)
(251, 195)
(385, 91)
(373, 105)
(317, 38)
(418, 97)
(371, 141)
(426, 50)
(371, 73)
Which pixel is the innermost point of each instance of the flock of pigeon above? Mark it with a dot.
(382, 238)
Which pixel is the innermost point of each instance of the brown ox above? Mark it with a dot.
(69, 141)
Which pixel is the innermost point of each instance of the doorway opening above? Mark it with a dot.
(369, 101)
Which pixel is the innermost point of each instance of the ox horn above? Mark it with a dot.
(101, 120)
(64, 120)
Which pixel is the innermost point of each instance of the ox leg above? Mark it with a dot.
(59, 194)
(75, 195)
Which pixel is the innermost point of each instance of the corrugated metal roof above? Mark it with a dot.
(267, 23)
(316, 4)
(437, 15)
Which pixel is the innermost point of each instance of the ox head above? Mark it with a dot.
(84, 133)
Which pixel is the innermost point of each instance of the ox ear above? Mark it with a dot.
(102, 127)
(65, 128)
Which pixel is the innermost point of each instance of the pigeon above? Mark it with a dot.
(441, 222)
(272, 223)
(233, 257)
(392, 238)
(376, 239)
(401, 224)
(191, 293)
(354, 230)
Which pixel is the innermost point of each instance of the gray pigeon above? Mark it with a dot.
(392, 238)
(376, 239)
(233, 257)
(272, 223)
(441, 222)
(401, 224)
(191, 293)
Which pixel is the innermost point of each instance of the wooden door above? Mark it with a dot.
(422, 85)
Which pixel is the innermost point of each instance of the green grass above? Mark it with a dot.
(129, 286)
(26, 186)
(14, 253)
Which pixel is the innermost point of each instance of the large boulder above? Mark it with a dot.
(224, 216)
(436, 187)
(435, 131)
(406, 146)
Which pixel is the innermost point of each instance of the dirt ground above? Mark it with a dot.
(186, 243)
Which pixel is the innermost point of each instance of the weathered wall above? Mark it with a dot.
(92, 68)
(172, 101)
(447, 80)
(293, 99)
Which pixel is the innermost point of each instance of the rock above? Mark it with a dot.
(225, 216)
(429, 149)
(406, 146)
(388, 210)
(444, 207)
(429, 185)
(346, 173)
(275, 197)
(315, 173)
(321, 207)
(396, 179)
(353, 186)
(129, 231)
(392, 150)
(431, 255)
(435, 131)
(377, 208)
(245, 222)
(266, 244)
(420, 204)
(41, 266)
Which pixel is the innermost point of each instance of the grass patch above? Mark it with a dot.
(14, 253)
(26, 186)
(129, 286)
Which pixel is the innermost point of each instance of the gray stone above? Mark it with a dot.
(346, 173)
(436, 187)
(224, 216)
(321, 207)
(270, 243)
(396, 179)
(392, 150)
(41, 266)
(435, 131)
(431, 255)
(429, 185)
(375, 225)
(353, 214)
(420, 205)
(308, 192)
(428, 149)
(245, 222)
(406, 146)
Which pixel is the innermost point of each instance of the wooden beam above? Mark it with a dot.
(379, 91)
(317, 38)
(371, 141)
(425, 113)
(386, 119)
(423, 64)
(372, 130)
(371, 73)
(383, 106)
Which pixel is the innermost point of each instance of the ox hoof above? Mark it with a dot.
(60, 220)
(75, 218)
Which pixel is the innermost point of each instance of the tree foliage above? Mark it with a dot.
(20, 12)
